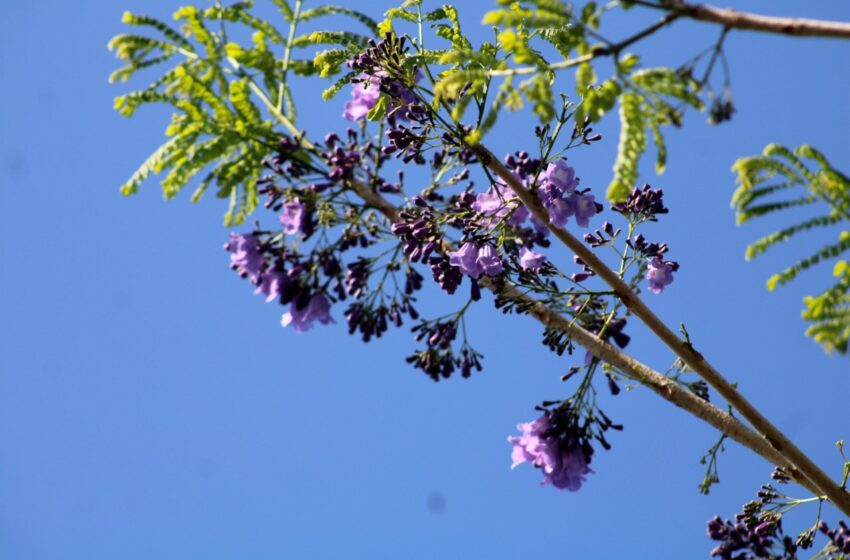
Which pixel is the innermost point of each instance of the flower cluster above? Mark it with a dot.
(438, 360)
(643, 205)
(748, 538)
(560, 196)
(659, 273)
(302, 315)
(474, 260)
(558, 443)
(559, 454)
(253, 259)
(757, 532)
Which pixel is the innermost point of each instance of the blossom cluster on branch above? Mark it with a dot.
(363, 217)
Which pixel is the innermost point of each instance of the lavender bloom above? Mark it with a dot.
(585, 208)
(489, 261)
(292, 217)
(561, 177)
(529, 260)
(245, 255)
(659, 274)
(364, 96)
(560, 209)
(498, 202)
(271, 284)
(466, 259)
(318, 309)
(564, 463)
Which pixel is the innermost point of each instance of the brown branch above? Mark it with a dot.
(684, 350)
(660, 384)
(598, 51)
(797, 27)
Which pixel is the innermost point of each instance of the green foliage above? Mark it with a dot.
(656, 96)
(829, 313)
(539, 14)
(320, 11)
(781, 173)
(632, 145)
(228, 97)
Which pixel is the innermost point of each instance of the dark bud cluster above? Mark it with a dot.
(647, 249)
(839, 539)
(577, 428)
(370, 321)
(421, 241)
(756, 533)
(343, 158)
(721, 109)
(438, 360)
(448, 277)
(643, 205)
(605, 236)
(523, 165)
(385, 56)
(780, 476)
(585, 132)
(748, 539)
(586, 272)
(558, 342)
(289, 159)
(407, 143)
(418, 231)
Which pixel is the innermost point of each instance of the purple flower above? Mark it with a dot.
(563, 461)
(561, 176)
(271, 284)
(292, 217)
(585, 207)
(317, 309)
(245, 256)
(560, 209)
(489, 260)
(659, 274)
(364, 96)
(498, 202)
(466, 259)
(529, 260)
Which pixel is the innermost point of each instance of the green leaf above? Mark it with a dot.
(327, 10)
(344, 38)
(632, 145)
(377, 112)
(331, 92)
(779, 171)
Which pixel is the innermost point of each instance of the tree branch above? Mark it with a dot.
(684, 350)
(797, 27)
(660, 384)
(597, 51)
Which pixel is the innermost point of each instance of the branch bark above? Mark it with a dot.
(797, 27)
(778, 440)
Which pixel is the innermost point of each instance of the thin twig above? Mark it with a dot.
(597, 52)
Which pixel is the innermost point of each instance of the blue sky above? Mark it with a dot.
(152, 407)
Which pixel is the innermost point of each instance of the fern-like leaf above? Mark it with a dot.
(808, 177)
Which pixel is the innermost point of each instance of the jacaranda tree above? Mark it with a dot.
(358, 219)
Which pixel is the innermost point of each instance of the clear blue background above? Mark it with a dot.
(152, 407)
